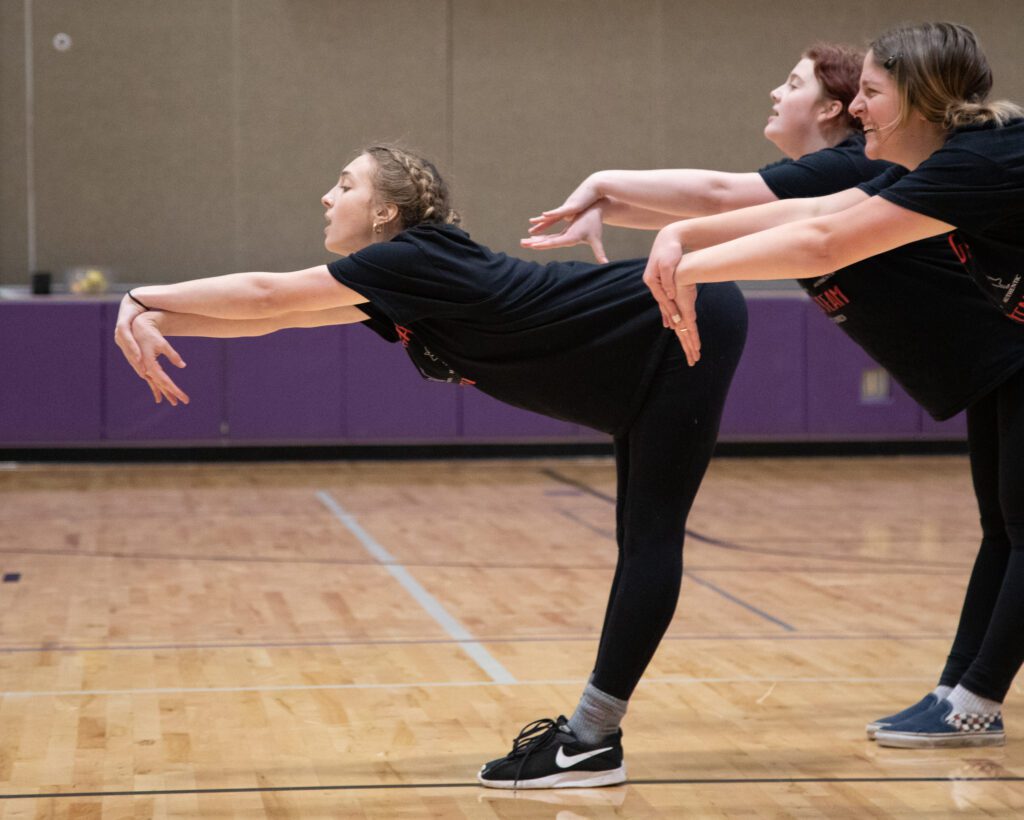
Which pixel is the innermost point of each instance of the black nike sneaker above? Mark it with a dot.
(547, 755)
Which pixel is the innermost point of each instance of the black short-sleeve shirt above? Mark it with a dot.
(571, 340)
(975, 182)
(914, 310)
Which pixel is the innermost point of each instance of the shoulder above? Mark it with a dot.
(980, 148)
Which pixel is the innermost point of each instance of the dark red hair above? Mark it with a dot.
(837, 68)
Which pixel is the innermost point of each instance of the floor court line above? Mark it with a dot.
(328, 687)
(681, 781)
(525, 639)
(740, 602)
(732, 546)
(689, 574)
(430, 604)
(889, 568)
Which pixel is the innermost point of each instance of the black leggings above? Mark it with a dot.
(660, 462)
(989, 644)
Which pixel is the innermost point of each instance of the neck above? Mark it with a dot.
(922, 143)
(816, 141)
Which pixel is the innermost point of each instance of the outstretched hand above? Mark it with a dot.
(582, 229)
(139, 337)
(585, 195)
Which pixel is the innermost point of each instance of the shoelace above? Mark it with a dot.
(533, 736)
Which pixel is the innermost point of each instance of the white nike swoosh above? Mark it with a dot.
(564, 761)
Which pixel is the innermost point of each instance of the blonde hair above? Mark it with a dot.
(941, 73)
(412, 184)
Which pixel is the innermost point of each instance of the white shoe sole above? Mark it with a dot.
(905, 740)
(562, 780)
(873, 728)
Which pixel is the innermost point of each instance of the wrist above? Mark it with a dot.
(598, 183)
(137, 301)
(152, 317)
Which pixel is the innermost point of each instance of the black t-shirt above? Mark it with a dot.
(975, 182)
(571, 340)
(914, 310)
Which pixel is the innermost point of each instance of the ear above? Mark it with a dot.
(830, 110)
(385, 213)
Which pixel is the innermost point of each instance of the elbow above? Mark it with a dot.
(718, 197)
(820, 246)
(265, 297)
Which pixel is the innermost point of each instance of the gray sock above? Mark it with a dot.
(597, 715)
(966, 702)
(942, 692)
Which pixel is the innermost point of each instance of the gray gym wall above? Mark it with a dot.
(185, 138)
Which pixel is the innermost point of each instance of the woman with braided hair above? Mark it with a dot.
(574, 341)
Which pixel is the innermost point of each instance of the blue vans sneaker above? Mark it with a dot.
(547, 755)
(927, 702)
(942, 726)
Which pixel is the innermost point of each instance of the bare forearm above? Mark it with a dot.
(624, 215)
(683, 191)
(232, 296)
(254, 295)
(812, 247)
(703, 232)
(713, 230)
(792, 251)
(187, 324)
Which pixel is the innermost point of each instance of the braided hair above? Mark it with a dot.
(413, 185)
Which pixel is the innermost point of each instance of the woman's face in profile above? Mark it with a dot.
(797, 106)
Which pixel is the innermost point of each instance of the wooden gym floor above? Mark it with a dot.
(355, 639)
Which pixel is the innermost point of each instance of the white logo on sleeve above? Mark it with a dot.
(564, 761)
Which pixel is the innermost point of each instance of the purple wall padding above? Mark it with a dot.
(50, 372)
(769, 393)
(290, 385)
(484, 417)
(131, 414)
(954, 428)
(62, 380)
(387, 399)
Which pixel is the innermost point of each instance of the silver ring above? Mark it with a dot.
(684, 330)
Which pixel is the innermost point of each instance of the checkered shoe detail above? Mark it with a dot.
(942, 726)
(972, 721)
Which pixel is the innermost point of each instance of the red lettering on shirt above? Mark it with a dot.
(1018, 313)
(404, 335)
(960, 248)
(832, 300)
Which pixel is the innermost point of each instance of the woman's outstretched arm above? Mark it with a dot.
(236, 296)
(682, 192)
(793, 250)
(146, 338)
(810, 247)
(254, 295)
(647, 200)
